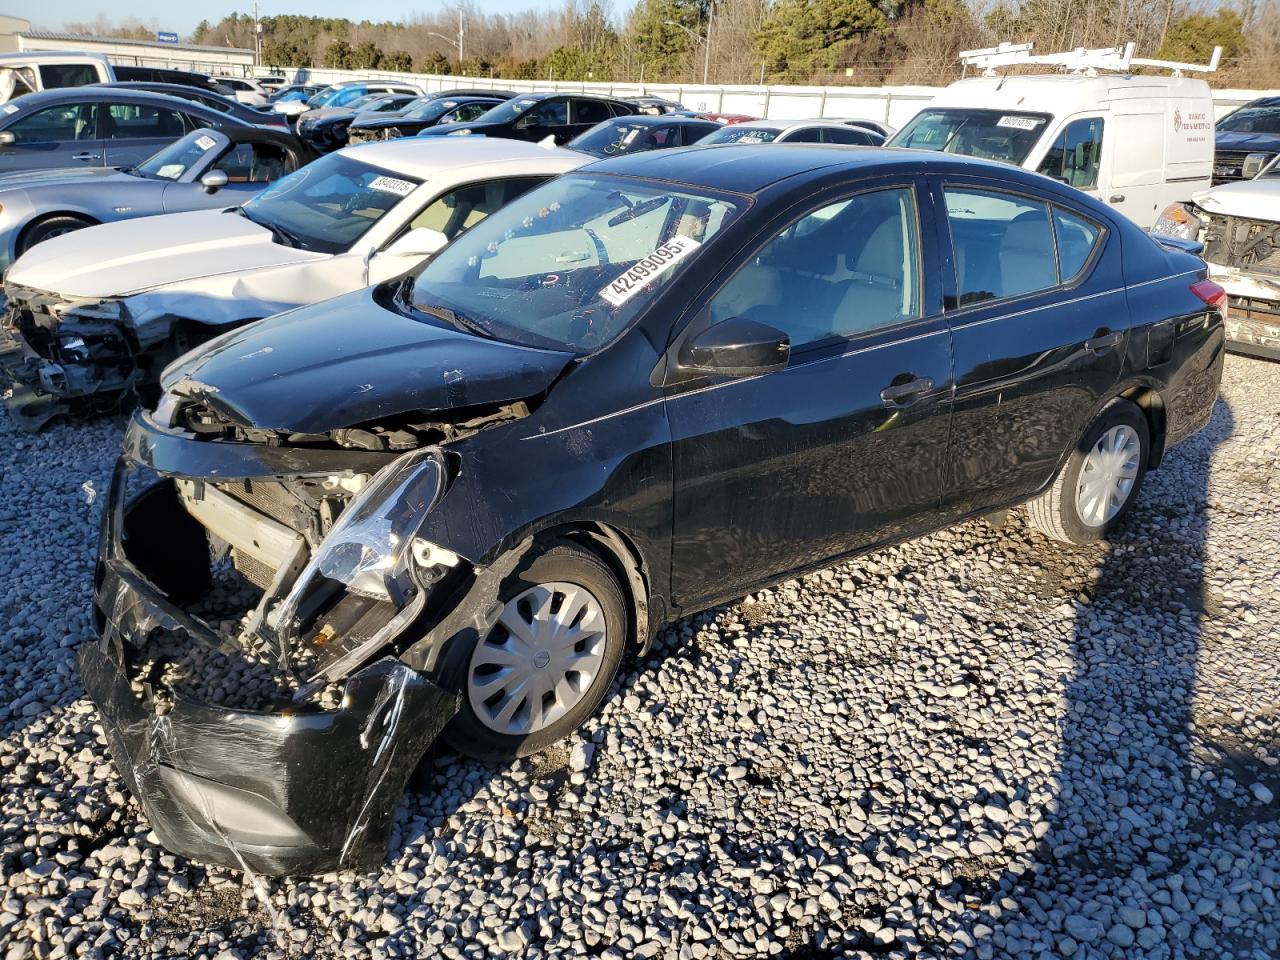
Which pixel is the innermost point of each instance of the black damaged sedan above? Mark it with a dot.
(446, 506)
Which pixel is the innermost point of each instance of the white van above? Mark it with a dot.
(33, 70)
(1138, 143)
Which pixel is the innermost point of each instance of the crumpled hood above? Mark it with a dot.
(350, 360)
(66, 176)
(1229, 140)
(129, 256)
(1256, 199)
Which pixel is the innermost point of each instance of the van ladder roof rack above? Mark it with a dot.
(1083, 60)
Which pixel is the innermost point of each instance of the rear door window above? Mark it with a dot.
(590, 111)
(135, 121)
(1003, 245)
(1077, 238)
(847, 135)
(1076, 155)
(54, 75)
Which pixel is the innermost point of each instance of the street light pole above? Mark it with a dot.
(706, 63)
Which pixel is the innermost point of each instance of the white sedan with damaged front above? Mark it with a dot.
(95, 315)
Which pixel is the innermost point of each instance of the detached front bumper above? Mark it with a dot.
(288, 792)
(1253, 311)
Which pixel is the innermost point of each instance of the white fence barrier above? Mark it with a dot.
(893, 105)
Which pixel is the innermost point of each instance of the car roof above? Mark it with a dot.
(251, 134)
(427, 157)
(784, 124)
(750, 168)
(665, 120)
(96, 91)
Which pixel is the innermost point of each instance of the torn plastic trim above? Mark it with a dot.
(272, 793)
(276, 792)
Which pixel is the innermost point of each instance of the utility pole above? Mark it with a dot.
(462, 20)
(706, 63)
(257, 37)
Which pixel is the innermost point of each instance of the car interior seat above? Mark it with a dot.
(1027, 258)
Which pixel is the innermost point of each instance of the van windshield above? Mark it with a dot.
(988, 134)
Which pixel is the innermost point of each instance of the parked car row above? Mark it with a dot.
(430, 432)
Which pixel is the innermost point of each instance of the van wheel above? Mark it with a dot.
(1101, 479)
(51, 227)
(547, 663)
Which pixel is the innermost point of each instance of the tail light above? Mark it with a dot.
(1213, 296)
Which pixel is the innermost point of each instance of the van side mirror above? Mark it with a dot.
(420, 242)
(737, 347)
(213, 181)
(7, 137)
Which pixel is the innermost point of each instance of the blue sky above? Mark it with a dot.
(183, 17)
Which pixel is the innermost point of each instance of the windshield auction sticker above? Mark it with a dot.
(401, 188)
(648, 269)
(1019, 123)
(205, 143)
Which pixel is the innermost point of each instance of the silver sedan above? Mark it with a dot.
(207, 168)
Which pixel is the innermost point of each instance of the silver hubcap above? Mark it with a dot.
(1108, 475)
(540, 659)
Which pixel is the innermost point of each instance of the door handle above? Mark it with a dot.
(1116, 198)
(904, 394)
(86, 156)
(1102, 343)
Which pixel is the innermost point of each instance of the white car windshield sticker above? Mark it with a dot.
(1019, 123)
(171, 171)
(750, 138)
(648, 269)
(401, 188)
(205, 143)
(10, 108)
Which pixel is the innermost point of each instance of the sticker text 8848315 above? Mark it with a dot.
(648, 269)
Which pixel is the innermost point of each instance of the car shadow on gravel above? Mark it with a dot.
(1144, 796)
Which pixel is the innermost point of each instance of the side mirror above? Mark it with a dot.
(213, 181)
(7, 137)
(528, 120)
(737, 347)
(420, 242)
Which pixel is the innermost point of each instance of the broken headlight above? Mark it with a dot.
(367, 578)
(1178, 220)
(94, 310)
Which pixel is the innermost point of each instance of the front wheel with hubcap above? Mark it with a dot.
(1100, 480)
(548, 661)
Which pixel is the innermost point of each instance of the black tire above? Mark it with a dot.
(48, 228)
(562, 562)
(1055, 513)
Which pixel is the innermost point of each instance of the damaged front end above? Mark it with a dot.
(1244, 257)
(56, 351)
(269, 619)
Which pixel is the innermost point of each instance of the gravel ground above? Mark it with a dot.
(977, 744)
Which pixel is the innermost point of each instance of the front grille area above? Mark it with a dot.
(1252, 245)
(1228, 165)
(31, 314)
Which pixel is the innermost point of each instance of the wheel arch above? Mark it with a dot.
(1147, 398)
(619, 552)
(90, 220)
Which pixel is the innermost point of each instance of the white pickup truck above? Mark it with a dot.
(33, 70)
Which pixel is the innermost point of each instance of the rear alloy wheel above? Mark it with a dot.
(548, 661)
(1100, 480)
(48, 229)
